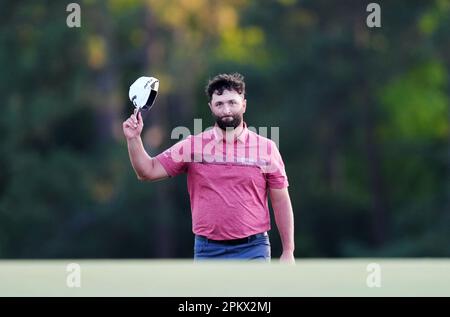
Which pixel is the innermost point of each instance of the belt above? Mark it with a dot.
(235, 241)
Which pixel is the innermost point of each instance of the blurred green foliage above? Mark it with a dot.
(363, 116)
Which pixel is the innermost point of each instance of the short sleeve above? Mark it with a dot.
(275, 173)
(175, 159)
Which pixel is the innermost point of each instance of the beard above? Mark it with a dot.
(225, 122)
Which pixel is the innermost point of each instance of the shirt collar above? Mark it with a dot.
(219, 136)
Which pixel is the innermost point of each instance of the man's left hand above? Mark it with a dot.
(287, 257)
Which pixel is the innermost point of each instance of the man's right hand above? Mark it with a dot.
(133, 126)
(146, 167)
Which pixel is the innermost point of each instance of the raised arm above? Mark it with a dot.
(146, 167)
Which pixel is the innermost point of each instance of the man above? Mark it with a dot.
(231, 170)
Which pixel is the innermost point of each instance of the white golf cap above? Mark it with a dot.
(143, 92)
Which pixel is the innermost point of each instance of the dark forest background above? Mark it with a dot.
(363, 116)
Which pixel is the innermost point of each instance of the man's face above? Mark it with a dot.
(228, 108)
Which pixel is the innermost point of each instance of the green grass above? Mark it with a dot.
(315, 277)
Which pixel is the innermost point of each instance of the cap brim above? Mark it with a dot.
(150, 101)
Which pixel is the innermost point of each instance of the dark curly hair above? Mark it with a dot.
(223, 82)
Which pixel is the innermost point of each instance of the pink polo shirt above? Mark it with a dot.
(228, 182)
